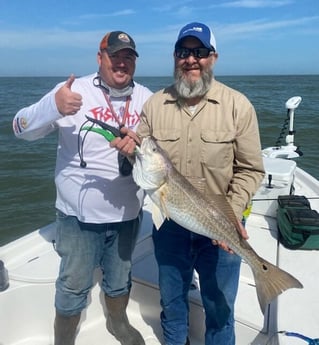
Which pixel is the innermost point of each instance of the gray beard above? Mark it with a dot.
(192, 89)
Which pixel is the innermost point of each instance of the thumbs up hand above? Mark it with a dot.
(67, 101)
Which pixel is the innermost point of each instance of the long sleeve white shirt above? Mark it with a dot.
(96, 193)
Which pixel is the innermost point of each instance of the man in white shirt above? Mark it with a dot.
(98, 204)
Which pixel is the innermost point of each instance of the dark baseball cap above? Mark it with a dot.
(117, 40)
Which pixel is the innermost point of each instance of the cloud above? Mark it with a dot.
(31, 39)
(172, 7)
(263, 25)
(256, 3)
(121, 13)
(60, 38)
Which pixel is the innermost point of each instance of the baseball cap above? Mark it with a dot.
(117, 40)
(200, 31)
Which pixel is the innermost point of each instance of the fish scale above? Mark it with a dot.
(175, 198)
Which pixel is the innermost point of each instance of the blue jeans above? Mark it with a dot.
(178, 252)
(84, 247)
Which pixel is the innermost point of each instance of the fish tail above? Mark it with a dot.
(271, 281)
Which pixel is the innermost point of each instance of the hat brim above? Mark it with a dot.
(121, 47)
(205, 44)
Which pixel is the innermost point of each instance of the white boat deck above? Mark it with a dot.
(27, 307)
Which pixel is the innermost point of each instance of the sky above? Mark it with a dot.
(254, 37)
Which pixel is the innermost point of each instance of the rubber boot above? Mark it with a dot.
(65, 328)
(118, 324)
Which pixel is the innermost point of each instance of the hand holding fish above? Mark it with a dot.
(67, 101)
(127, 143)
(223, 245)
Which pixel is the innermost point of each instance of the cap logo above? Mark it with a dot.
(123, 37)
(194, 28)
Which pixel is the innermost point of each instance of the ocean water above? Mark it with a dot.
(27, 168)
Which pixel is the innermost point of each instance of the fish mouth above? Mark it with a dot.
(138, 155)
(138, 152)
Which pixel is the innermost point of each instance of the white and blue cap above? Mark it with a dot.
(201, 31)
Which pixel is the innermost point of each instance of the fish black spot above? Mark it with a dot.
(265, 268)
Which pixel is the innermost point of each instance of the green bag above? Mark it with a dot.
(298, 224)
(293, 201)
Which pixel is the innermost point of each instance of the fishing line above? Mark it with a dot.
(81, 145)
(310, 341)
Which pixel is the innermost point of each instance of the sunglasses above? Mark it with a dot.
(199, 53)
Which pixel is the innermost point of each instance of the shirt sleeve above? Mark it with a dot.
(37, 120)
(248, 169)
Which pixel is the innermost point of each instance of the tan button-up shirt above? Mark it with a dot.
(218, 143)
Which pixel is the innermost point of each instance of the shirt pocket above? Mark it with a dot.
(169, 140)
(217, 148)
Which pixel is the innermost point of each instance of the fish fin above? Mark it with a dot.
(271, 281)
(157, 216)
(162, 192)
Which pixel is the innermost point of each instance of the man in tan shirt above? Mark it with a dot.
(211, 135)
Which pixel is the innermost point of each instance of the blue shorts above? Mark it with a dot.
(84, 247)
